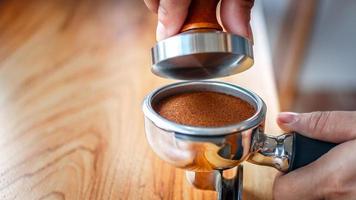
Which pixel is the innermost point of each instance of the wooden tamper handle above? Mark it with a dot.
(202, 15)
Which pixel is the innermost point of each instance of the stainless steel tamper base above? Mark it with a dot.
(202, 54)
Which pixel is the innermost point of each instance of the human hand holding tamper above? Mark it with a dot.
(197, 46)
(235, 16)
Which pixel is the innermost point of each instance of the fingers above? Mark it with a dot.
(235, 16)
(331, 126)
(298, 184)
(171, 16)
(152, 5)
(330, 177)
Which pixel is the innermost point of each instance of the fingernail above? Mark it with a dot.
(160, 32)
(287, 117)
(250, 34)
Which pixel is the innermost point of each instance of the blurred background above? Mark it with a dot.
(312, 43)
(314, 53)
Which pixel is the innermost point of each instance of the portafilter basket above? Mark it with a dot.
(205, 152)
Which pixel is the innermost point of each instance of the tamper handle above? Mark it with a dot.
(202, 15)
(307, 150)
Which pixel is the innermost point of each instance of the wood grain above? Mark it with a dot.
(72, 78)
(201, 15)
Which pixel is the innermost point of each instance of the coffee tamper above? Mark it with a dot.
(201, 50)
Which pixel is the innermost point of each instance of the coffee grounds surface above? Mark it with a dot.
(206, 109)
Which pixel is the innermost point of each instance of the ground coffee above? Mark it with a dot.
(208, 109)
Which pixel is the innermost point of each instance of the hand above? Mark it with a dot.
(332, 176)
(235, 16)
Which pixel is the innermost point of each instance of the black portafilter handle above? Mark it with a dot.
(307, 150)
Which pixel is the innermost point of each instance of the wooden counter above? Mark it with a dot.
(73, 75)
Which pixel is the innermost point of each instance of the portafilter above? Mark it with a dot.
(205, 152)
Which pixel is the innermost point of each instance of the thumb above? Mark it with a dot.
(235, 16)
(331, 126)
(171, 16)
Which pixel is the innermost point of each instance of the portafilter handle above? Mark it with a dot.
(287, 152)
(307, 150)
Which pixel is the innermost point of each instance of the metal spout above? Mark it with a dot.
(226, 188)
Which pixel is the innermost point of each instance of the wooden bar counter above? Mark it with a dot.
(73, 74)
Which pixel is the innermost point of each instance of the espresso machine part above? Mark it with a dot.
(206, 152)
(202, 50)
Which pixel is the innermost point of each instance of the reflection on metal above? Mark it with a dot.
(207, 151)
(201, 54)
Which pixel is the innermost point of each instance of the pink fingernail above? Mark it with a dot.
(287, 117)
(160, 32)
